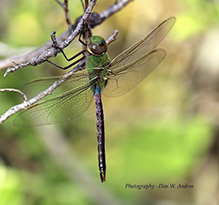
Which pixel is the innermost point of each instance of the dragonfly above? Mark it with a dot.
(112, 78)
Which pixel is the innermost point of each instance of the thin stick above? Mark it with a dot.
(112, 37)
(65, 7)
(54, 40)
(15, 90)
(118, 5)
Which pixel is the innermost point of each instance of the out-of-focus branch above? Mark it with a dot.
(60, 149)
(118, 5)
(47, 51)
(65, 7)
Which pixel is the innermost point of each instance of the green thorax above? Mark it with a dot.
(97, 64)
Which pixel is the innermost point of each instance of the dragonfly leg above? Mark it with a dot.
(82, 42)
(68, 59)
(86, 32)
(73, 57)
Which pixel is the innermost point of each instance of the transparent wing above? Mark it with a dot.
(64, 107)
(123, 81)
(33, 88)
(142, 47)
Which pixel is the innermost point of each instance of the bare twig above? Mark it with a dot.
(118, 5)
(41, 95)
(54, 40)
(14, 90)
(40, 55)
(65, 7)
(112, 37)
(49, 90)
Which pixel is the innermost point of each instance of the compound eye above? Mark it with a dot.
(93, 47)
(98, 49)
(102, 43)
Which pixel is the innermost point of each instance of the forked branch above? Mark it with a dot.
(42, 54)
(47, 51)
(49, 90)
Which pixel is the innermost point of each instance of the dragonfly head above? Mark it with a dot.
(96, 45)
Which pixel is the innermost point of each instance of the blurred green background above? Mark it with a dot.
(165, 131)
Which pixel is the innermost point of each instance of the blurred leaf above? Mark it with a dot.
(26, 28)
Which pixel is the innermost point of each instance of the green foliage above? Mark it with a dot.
(196, 17)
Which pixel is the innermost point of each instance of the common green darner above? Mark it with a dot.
(112, 78)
